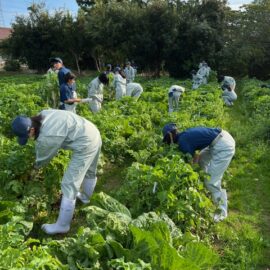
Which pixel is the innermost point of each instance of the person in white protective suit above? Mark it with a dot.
(56, 129)
(201, 76)
(197, 80)
(134, 90)
(119, 83)
(174, 94)
(202, 64)
(228, 86)
(95, 92)
(216, 146)
(129, 72)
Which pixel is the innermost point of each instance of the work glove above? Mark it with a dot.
(86, 100)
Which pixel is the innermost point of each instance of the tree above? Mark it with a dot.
(34, 38)
(199, 36)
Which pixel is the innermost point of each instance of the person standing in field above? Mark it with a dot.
(174, 94)
(60, 68)
(95, 91)
(58, 129)
(119, 83)
(134, 90)
(68, 95)
(204, 72)
(228, 86)
(215, 147)
(197, 79)
(129, 72)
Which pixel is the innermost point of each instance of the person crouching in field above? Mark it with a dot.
(216, 146)
(228, 86)
(134, 90)
(95, 91)
(56, 129)
(174, 94)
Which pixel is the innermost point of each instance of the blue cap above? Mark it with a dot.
(117, 69)
(56, 60)
(168, 128)
(20, 127)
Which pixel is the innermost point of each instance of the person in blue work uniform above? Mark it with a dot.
(56, 129)
(68, 95)
(216, 148)
(62, 70)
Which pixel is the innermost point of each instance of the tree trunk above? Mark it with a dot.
(97, 62)
(77, 62)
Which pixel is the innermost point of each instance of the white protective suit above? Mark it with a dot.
(130, 74)
(204, 72)
(134, 90)
(215, 159)
(228, 96)
(95, 91)
(201, 76)
(197, 80)
(120, 85)
(62, 129)
(174, 93)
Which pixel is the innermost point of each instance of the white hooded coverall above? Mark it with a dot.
(228, 96)
(120, 85)
(95, 91)
(174, 93)
(66, 130)
(130, 74)
(134, 90)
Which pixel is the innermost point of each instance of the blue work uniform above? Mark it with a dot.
(61, 75)
(217, 149)
(67, 92)
(196, 138)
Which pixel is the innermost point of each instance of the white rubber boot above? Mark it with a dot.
(223, 206)
(62, 224)
(88, 187)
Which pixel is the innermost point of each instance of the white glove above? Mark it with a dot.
(86, 100)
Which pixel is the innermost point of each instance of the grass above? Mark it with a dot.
(243, 240)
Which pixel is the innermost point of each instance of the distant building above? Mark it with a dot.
(4, 34)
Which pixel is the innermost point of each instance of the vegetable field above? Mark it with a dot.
(150, 209)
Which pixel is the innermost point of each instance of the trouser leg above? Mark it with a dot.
(95, 106)
(170, 100)
(222, 154)
(78, 169)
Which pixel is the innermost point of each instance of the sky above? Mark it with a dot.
(9, 9)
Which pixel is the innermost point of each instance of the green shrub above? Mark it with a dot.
(12, 65)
